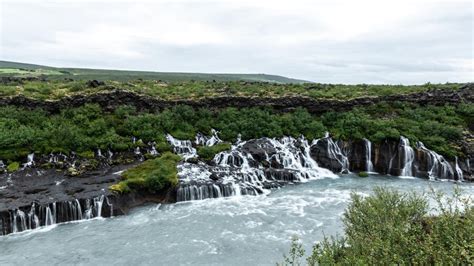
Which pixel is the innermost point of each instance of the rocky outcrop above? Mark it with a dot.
(113, 98)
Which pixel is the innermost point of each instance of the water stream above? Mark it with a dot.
(238, 230)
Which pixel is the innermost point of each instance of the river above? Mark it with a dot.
(241, 230)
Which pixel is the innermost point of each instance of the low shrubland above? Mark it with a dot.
(88, 128)
(393, 228)
(56, 89)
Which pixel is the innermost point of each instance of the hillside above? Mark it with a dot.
(24, 70)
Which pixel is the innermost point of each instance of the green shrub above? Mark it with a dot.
(390, 228)
(86, 154)
(363, 174)
(152, 175)
(208, 152)
(12, 167)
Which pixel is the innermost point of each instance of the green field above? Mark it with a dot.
(24, 70)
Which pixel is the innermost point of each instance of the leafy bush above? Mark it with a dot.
(152, 175)
(88, 128)
(390, 227)
(208, 152)
(363, 174)
(12, 167)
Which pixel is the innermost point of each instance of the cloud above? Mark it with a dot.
(324, 41)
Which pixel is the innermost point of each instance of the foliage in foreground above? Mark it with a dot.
(390, 227)
(152, 175)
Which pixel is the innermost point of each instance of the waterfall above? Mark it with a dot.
(49, 217)
(206, 140)
(30, 160)
(19, 221)
(368, 150)
(181, 147)
(437, 166)
(99, 153)
(236, 172)
(137, 151)
(56, 212)
(408, 157)
(152, 150)
(458, 170)
(334, 152)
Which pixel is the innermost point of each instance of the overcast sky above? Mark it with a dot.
(324, 41)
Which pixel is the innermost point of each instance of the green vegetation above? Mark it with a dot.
(363, 174)
(53, 73)
(185, 86)
(208, 152)
(14, 166)
(153, 175)
(392, 228)
(87, 128)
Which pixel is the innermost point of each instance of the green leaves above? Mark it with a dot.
(89, 127)
(390, 227)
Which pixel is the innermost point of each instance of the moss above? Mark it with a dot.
(363, 174)
(86, 154)
(208, 152)
(153, 175)
(12, 167)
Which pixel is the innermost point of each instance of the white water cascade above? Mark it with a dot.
(53, 213)
(181, 147)
(30, 161)
(236, 172)
(437, 165)
(408, 157)
(458, 170)
(368, 149)
(334, 152)
(206, 140)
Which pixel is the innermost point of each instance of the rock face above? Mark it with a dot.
(35, 197)
(116, 97)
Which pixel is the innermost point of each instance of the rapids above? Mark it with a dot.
(236, 230)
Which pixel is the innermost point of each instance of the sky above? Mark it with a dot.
(396, 42)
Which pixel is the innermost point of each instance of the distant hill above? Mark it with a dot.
(23, 69)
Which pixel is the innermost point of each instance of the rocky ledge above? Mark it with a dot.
(115, 97)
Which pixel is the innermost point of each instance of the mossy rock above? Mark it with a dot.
(14, 166)
(87, 154)
(363, 174)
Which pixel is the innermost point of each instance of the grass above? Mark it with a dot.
(152, 176)
(193, 90)
(393, 228)
(127, 75)
(208, 152)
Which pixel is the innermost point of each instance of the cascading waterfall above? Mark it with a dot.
(408, 157)
(236, 172)
(30, 161)
(334, 152)
(181, 147)
(437, 165)
(208, 141)
(56, 212)
(458, 170)
(368, 149)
